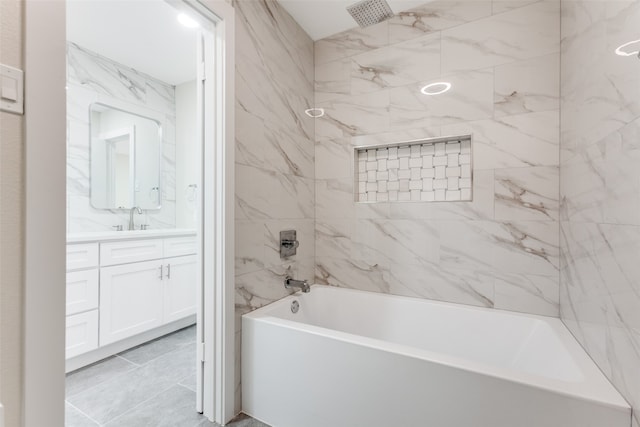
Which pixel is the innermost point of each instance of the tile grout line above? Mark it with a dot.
(81, 412)
(138, 405)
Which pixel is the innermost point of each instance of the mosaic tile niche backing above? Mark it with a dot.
(430, 170)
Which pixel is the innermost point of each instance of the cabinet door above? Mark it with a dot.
(81, 333)
(82, 291)
(180, 287)
(130, 299)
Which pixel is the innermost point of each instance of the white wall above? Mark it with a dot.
(188, 156)
(11, 225)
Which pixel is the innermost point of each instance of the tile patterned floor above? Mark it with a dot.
(152, 385)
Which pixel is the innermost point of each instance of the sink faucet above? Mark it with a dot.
(291, 283)
(132, 226)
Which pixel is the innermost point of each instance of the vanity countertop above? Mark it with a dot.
(103, 236)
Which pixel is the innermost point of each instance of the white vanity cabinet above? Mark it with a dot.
(82, 299)
(120, 290)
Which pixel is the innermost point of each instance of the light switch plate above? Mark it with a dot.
(11, 89)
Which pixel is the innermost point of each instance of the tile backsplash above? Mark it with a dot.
(434, 170)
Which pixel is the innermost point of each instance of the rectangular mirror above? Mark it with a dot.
(126, 150)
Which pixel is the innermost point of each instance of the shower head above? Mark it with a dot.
(370, 12)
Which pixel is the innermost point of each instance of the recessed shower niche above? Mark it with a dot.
(425, 170)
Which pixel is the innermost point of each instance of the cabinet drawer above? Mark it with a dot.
(83, 255)
(113, 253)
(82, 291)
(179, 246)
(82, 333)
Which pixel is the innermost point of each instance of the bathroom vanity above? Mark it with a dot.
(125, 288)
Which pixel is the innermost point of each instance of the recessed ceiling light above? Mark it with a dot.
(314, 112)
(620, 51)
(187, 21)
(436, 88)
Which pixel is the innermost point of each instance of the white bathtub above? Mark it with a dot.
(351, 358)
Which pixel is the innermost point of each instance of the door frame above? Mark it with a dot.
(43, 361)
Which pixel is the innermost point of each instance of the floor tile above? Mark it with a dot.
(74, 418)
(190, 382)
(151, 350)
(174, 407)
(114, 397)
(90, 376)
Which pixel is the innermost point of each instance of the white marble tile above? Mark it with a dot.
(250, 139)
(396, 136)
(523, 33)
(512, 141)
(527, 194)
(391, 242)
(104, 76)
(396, 65)
(289, 196)
(527, 86)
(351, 42)
(622, 176)
(249, 246)
(332, 80)
(160, 96)
(435, 16)
(527, 247)
(334, 199)
(252, 196)
(334, 238)
(348, 273)
(356, 115)
(527, 293)
(501, 6)
(334, 159)
(583, 185)
(470, 98)
(288, 153)
(434, 282)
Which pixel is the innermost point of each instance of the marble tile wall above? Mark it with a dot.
(502, 58)
(600, 187)
(94, 78)
(275, 169)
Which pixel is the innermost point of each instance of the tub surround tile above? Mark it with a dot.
(275, 153)
(357, 115)
(527, 194)
(352, 42)
(333, 80)
(527, 293)
(334, 159)
(435, 16)
(599, 292)
(527, 86)
(502, 60)
(522, 140)
(501, 6)
(470, 98)
(396, 65)
(523, 33)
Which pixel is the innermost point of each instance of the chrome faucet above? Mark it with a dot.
(132, 226)
(291, 283)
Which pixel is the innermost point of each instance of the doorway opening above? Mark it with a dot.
(149, 323)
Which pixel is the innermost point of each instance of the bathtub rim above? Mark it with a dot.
(590, 389)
